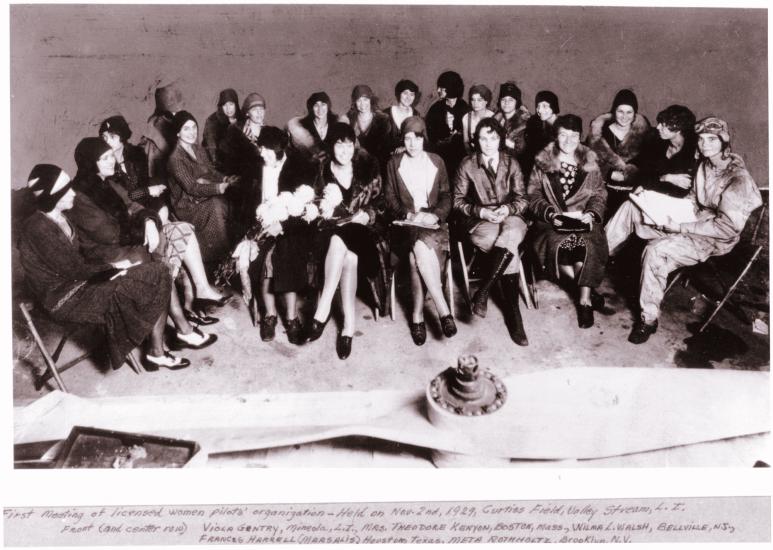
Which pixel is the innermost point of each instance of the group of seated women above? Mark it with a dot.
(332, 201)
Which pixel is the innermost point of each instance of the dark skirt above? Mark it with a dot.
(403, 238)
(211, 220)
(547, 242)
(372, 250)
(290, 258)
(127, 307)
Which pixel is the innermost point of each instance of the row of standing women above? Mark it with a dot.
(334, 197)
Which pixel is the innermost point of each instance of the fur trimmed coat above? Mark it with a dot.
(366, 241)
(305, 139)
(617, 156)
(515, 130)
(545, 201)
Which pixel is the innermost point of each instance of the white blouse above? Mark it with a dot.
(419, 175)
(270, 180)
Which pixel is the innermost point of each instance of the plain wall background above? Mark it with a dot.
(73, 66)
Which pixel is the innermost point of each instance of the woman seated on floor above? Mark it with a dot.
(112, 227)
(417, 192)
(355, 242)
(567, 197)
(129, 300)
(667, 160)
(197, 190)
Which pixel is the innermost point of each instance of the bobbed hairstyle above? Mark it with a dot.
(678, 118)
(275, 139)
(491, 124)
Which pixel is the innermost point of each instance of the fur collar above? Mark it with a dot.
(639, 127)
(547, 159)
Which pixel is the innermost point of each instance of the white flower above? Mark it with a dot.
(263, 214)
(278, 212)
(295, 206)
(284, 198)
(332, 194)
(304, 193)
(311, 212)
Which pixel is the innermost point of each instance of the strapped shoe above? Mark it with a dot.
(194, 340)
(418, 332)
(315, 329)
(268, 328)
(343, 346)
(642, 331)
(199, 319)
(448, 325)
(168, 361)
(294, 331)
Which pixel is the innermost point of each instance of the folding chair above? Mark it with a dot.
(528, 288)
(757, 248)
(54, 370)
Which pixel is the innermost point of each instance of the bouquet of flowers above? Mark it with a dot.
(299, 204)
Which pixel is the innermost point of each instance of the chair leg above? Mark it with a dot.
(533, 286)
(726, 297)
(450, 287)
(465, 275)
(39, 342)
(134, 363)
(673, 282)
(392, 299)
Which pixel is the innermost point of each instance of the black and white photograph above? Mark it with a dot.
(388, 236)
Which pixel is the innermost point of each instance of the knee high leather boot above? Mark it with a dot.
(500, 258)
(513, 318)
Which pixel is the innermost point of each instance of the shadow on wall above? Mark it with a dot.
(66, 78)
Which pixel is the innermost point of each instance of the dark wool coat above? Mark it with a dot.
(368, 242)
(291, 249)
(240, 156)
(72, 290)
(133, 176)
(473, 189)
(374, 140)
(110, 226)
(304, 137)
(200, 203)
(394, 129)
(536, 137)
(652, 163)
(399, 202)
(515, 129)
(621, 156)
(544, 194)
(158, 142)
(215, 129)
(449, 145)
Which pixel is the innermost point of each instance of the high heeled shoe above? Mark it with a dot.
(200, 304)
(168, 361)
(194, 340)
(294, 331)
(448, 325)
(418, 332)
(199, 319)
(315, 329)
(343, 346)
